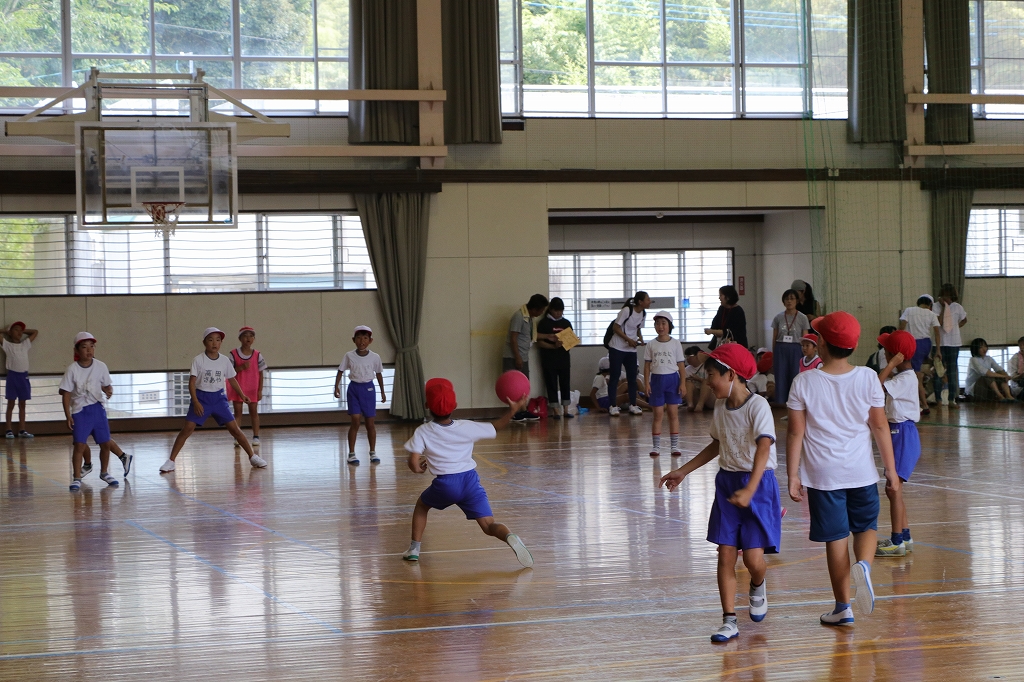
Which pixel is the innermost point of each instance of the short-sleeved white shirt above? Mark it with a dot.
(952, 337)
(837, 442)
(920, 321)
(85, 384)
(212, 375)
(631, 323)
(977, 368)
(901, 401)
(17, 354)
(664, 356)
(601, 384)
(361, 368)
(759, 382)
(449, 447)
(737, 431)
(696, 373)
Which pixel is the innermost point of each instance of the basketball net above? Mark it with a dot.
(164, 215)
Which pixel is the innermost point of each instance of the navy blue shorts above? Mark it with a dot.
(91, 421)
(18, 386)
(756, 527)
(837, 513)
(461, 489)
(906, 445)
(362, 399)
(664, 390)
(604, 402)
(215, 404)
(924, 349)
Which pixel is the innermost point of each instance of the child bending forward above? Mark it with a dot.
(747, 511)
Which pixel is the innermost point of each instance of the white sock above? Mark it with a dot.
(656, 438)
(674, 439)
(414, 547)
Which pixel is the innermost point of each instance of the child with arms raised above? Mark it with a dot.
(747, 511)
(362, 365)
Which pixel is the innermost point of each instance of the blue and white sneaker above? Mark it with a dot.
(352, 459)
(76, 485)
(844, 617)
(126, 462)
(729, 630)
(109, 480)
(865, 599)
(374, 459)
(86, 468)
(758, 602)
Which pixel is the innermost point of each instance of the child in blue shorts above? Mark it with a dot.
(207, 378)
(17, 341)
(362, 365)
(664, 377)
(833, 415)
(747, 512)
(85, 382)
(444, 446)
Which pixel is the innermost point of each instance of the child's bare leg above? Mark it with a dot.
(492, 528)
(1003, 388)
(115, 448)
(419, 520)
(691, 396)
(236, 407)
(921, 395)
(104, 457)
(727, 577)
(179, 441)
(21, 414)
(705, 396)
(371, 434)
(897, 510)
(659, 416)
(753, 559)
(353, 429)
(254, 419)
(77, 455)
(10, 413)
(235, 431)
(837, 554)
(864, 545)
(673, 418)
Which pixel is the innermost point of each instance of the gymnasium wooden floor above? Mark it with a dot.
(220, 571)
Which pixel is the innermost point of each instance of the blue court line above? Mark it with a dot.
(232, 576)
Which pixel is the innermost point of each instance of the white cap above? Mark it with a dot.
(362, 328)
(84, 336)
(928, 296)
(762, 350)
(666, 314)
(213, 330)
(603, 363)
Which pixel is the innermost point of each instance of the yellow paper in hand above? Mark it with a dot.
(568, 339)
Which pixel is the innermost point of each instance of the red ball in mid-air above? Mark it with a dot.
(512, 386)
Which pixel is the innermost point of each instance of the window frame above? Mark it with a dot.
(1001, 240)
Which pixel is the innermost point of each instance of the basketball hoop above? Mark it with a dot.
(164, 215)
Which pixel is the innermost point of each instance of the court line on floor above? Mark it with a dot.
(981, 427)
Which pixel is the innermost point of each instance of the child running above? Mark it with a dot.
(207, 378)
(810, 360)
(362, 364)
(85, 382)
(17, 341)
(833, 415)
(901, 409)
(249, 368)
(664, 372)
(747, 512)
(445, 447)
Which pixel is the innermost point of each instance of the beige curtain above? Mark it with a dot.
(947, 31)
(469, 31)
(875, 65)
(395, 227)
(951, 214)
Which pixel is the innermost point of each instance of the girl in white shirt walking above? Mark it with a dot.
(923, 324)
(626, 336)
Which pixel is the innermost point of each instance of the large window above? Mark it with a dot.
(595, 284)
(997, 54)
(243, 44)
(705, 58)
(267, 252)
(995, 243)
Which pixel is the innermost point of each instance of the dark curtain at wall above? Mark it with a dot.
(395, 227)
(948, 43)
(383, 57)
(951, 213)
(469, 32)
(875, 41)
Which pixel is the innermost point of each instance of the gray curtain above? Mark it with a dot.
(875, 65)
(469, 33)
(383, 56)
(951, 213)
(948, 40)
(395, 227)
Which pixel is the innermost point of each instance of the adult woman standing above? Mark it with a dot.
(554, 359)
(952, 316)
(730, 323)
(805, 299)
(788, 328)
(626, 336)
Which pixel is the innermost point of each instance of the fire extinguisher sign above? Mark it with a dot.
(743, 285)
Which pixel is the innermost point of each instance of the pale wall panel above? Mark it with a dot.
(712, 194)
(508, 220)
(777, 194)
(189, 314)
(144, 347)
(449, 223)
(644, 195)
(288, 327)
(445, 347)
(589, 195)
(58, 319)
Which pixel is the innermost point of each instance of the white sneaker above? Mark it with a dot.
(352, 459)
(886, 548)
(634, 409)
(167, 466)
(411, 555)
(865, 599)
(729, 630)
(523, 554)
(258, 462)
(613, 411)
(844, 617)
(255, 441)
(758, 602)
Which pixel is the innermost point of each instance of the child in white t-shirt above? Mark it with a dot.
(923, 325)
(833, 414)
(698, 392)
(17, 341)
(747, 512)
(362, 365)
(207, 378)
(599, 388)
(444, 447)
(85, 382)
(1016, 370)
(664, 367)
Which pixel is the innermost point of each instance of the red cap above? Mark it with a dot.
(244, 330)
(440, 397)
(737, 358)
(19, 323)
(764, 365)
(899, 342)
(809, 338)
(840, 328)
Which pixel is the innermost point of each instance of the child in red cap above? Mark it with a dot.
(17, 341)
(901, 409)
(444, 446)
(747, 512)
(809, 346)
(249, 367)
(763, 383)
(833, 415)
